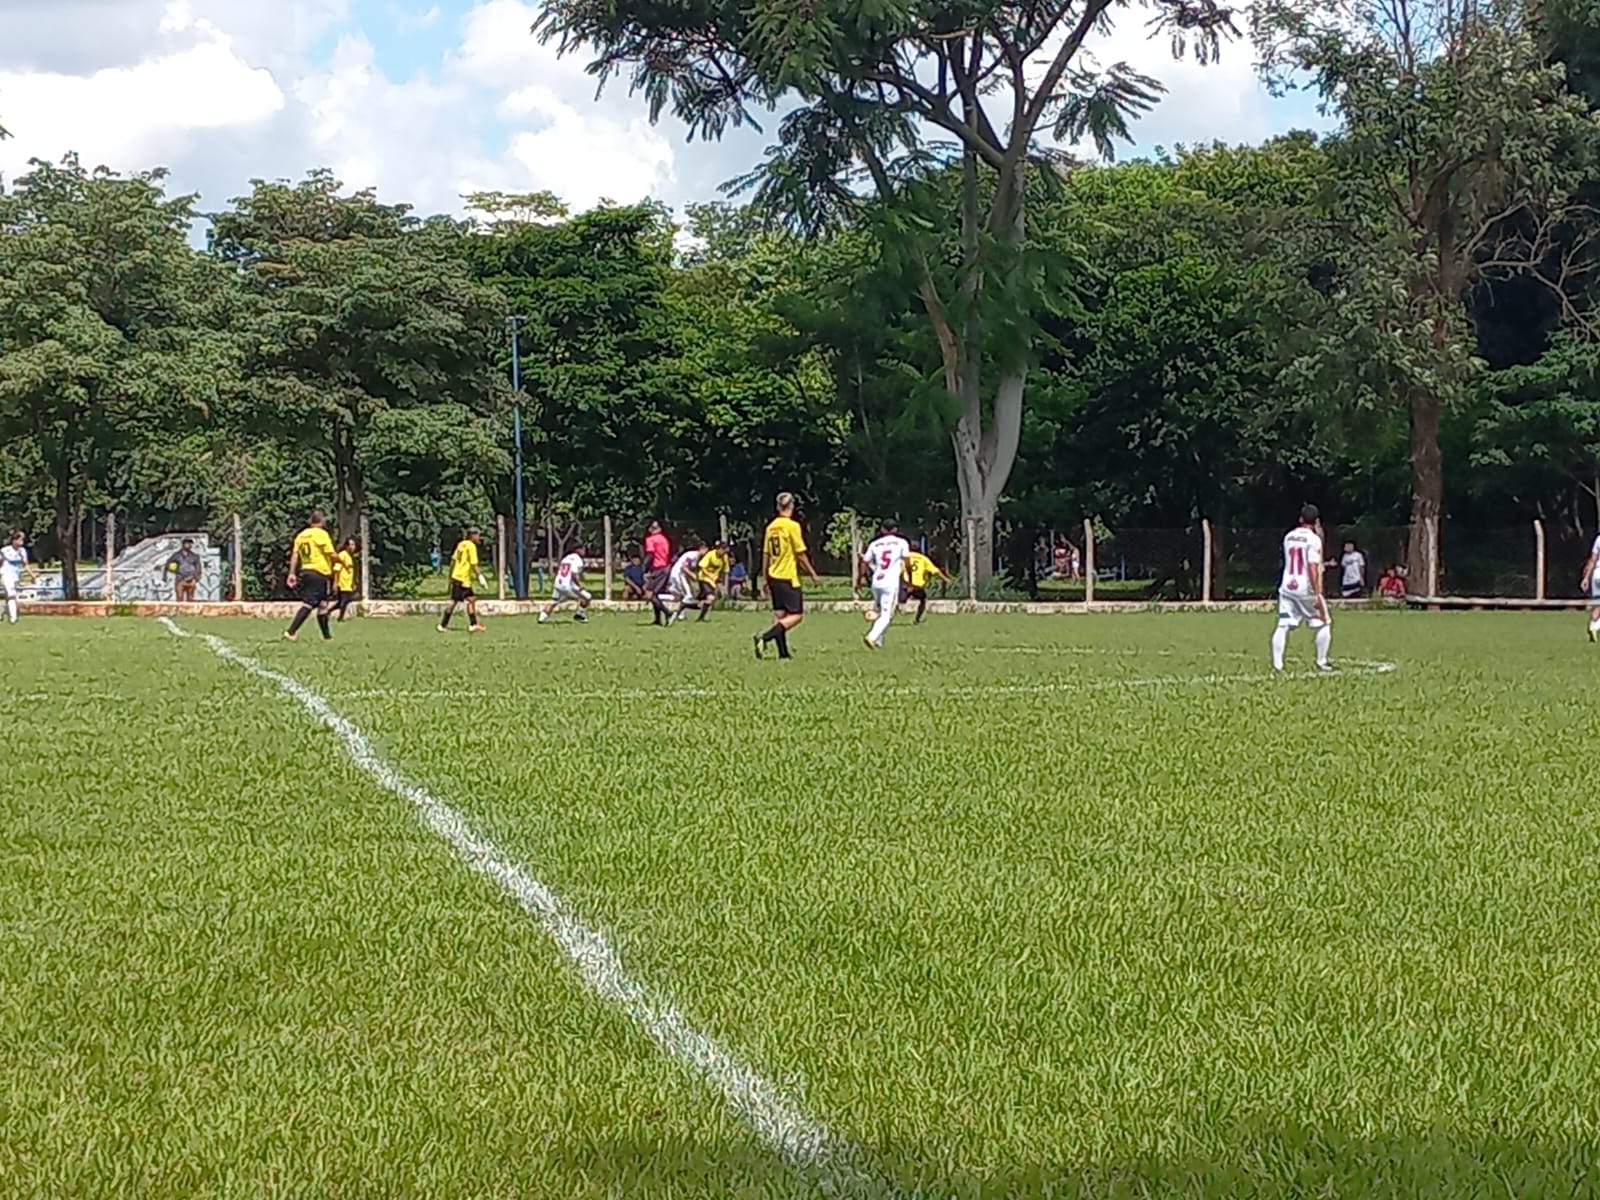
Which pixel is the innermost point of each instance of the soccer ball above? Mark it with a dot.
(871, 614)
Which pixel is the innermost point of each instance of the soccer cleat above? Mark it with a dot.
(443, 628)
(476, 629)
(1326, 668)
(1591, 631)
(543, 617)
(758, 645)
(580, 618)
(872, 645)
(290, 637)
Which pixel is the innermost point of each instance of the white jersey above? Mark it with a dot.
(1302, 562)
(1354, 568)
(686, 565)
(12, 561)
(887, 557)
(570, 571)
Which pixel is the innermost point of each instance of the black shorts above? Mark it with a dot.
(345, 600)
(461, 592)
(707, 590)
(655, 582)
(912, 593)
(1352, 591)
(786, 597)
(315, 589)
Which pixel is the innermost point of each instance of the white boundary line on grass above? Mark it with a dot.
(776, 1117)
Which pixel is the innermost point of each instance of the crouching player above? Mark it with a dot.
(714, 564)
(569, 586)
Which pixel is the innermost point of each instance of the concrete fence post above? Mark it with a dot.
(238, 558)
(610, 552)
(500, 555)
(1088, 563)
(366, 558)
(1539, 561)
(111, 558)
(1205, 561)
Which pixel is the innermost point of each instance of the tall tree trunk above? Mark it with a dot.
(350, 489)
(67, 530)
(1427, 495)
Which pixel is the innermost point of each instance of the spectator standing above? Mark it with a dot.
(1352, 572)
(738, 577)
(185, 568)
(657, 567)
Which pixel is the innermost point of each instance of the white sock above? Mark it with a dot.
(1594, 625)
(1324, 640)
(11, 608)
(881, 625)
(1280, 643)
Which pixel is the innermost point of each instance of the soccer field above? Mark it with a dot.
(1020, 906)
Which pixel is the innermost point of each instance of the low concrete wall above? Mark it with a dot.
(283, 610)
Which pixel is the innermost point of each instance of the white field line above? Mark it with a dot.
(1035, 688)
(776, 1117)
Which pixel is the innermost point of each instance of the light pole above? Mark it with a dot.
(514, 324)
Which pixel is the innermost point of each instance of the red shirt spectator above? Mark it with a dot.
(1391, 586)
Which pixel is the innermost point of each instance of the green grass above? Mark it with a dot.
(1009, 920)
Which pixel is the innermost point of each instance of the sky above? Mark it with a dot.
(427, 100)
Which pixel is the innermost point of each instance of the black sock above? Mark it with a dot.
(322, 623)
(299, 619)
(922, 607)
(444, 621)
(775, 634)
(783, 641)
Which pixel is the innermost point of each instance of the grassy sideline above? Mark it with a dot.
(1020, 906)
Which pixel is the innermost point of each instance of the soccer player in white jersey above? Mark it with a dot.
(1300, 599)
(885, 558)
(13, 565)
(1591, 584)
(681, 582)
(569, 586)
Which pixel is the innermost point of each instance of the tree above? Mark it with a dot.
(368, 341)
(873, 81)
(109, 327)
(1460, 156)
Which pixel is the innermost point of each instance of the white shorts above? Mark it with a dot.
(10, 583)
(570, 592)
(682, 587)
(1594, 586)
(1299, 608)
(886, 598)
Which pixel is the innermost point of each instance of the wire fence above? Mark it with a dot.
(246, 558)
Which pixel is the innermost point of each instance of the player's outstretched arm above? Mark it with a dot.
(804, 560)
(294, 568)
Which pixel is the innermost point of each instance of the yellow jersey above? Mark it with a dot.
(713, 565)
(314, 548)
(784, 543)
(344, 571)
(464, 563)
(919, 569)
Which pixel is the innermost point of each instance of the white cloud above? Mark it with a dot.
(222, 91)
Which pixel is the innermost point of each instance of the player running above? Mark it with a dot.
(886, 557)
(714, 564)
(920, 570)
(344, 576)
(683, 583)
(465, 570)
(13, 565)
(783, 553)
(311, 570)
(1591, 585)
(1300, 599)
(569, 586)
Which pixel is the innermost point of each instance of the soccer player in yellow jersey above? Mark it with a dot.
(311, 571)
(783, 553)
(714, 564)
(920, 570)
(344, 576)
(464, 571)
